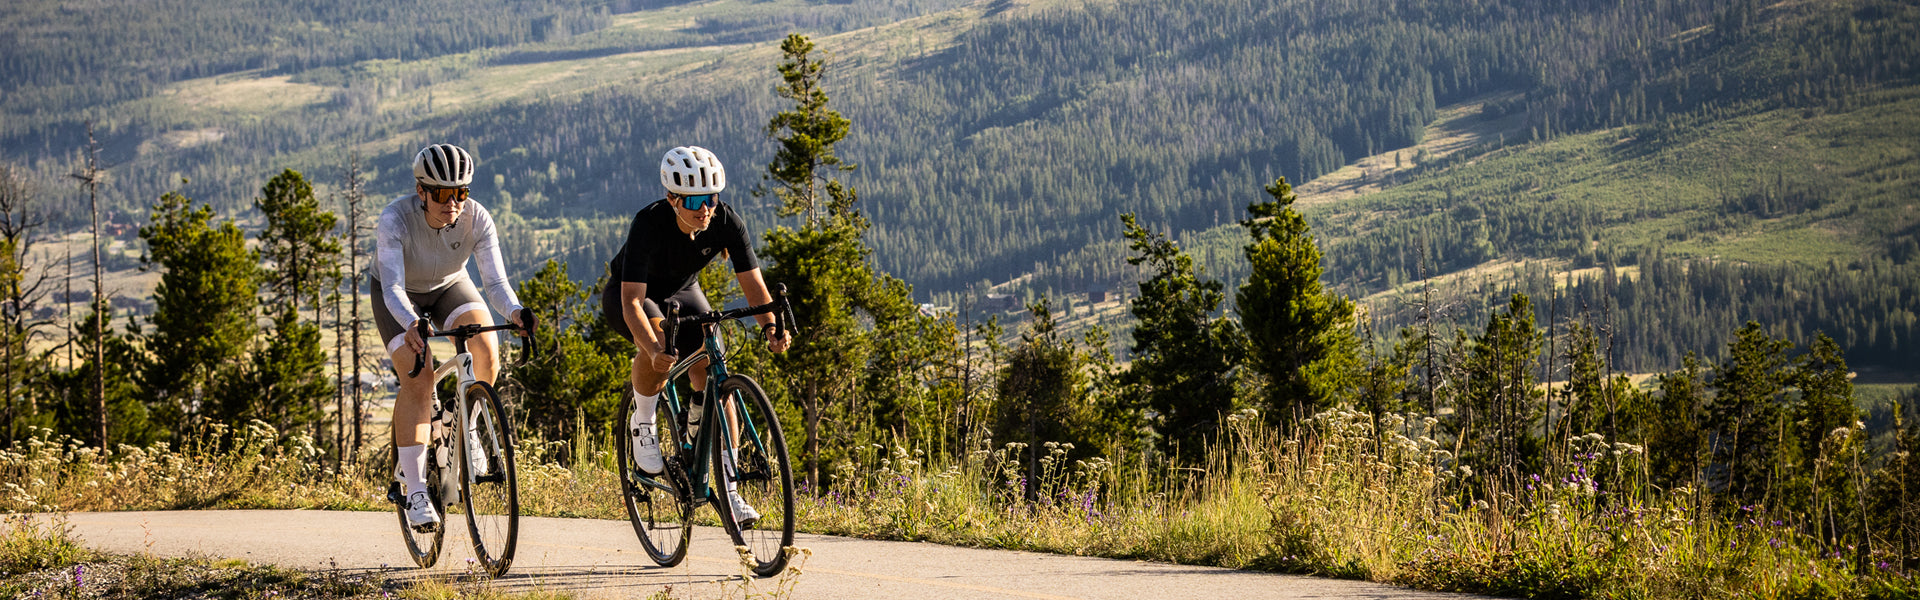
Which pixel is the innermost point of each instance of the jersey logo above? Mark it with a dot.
(456, 245)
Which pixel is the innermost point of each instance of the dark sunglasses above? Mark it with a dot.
(445, 195)
(699, 202)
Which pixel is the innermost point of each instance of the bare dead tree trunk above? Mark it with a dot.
(67, 302)
(810, 412)
(89, 178)
(339, 389)
(354, 197)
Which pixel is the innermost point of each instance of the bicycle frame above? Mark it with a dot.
(461, 367)
(713, 420)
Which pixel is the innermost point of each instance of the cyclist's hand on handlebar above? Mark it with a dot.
(413, 340)
(519, 317)
(660, 362)
(777, 344)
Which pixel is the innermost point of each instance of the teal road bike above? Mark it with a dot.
(694, 441)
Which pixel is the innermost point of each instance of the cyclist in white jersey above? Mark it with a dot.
(422, 246)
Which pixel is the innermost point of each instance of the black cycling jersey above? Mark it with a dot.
(668, 261)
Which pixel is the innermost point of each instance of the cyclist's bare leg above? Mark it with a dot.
(652, 382)
(414, 404)
(486, 360)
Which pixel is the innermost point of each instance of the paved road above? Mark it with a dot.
(602, 559)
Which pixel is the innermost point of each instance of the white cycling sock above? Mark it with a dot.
(643, 409)
(413, 468)
(733, 456)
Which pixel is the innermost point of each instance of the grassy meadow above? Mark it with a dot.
(1343, 497)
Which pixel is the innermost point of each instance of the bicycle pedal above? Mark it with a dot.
(394, 495)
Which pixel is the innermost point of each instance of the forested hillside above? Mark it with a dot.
(1003, 138)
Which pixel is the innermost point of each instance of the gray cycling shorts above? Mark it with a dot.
(443, 305)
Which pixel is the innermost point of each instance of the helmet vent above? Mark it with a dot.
(676, 179)
(703, 177)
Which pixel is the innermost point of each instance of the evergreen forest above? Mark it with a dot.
(1683, 232)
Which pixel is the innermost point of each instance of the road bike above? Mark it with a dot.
(694, 439)
(477, 475)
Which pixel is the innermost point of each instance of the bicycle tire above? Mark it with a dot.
(424, 548)
(491, 497)
(764, 477)
(662, 518)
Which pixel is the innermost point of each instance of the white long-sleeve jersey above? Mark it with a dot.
(410, 256)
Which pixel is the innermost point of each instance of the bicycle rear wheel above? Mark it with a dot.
(658, 505)
(488, 485)
(423, 547)
(761, 470)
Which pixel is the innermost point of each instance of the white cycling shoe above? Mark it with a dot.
(646, 450)
(420, 514)
(743, 513)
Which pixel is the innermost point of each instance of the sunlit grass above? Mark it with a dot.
(1341, 497)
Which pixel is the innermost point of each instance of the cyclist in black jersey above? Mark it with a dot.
(670, 241)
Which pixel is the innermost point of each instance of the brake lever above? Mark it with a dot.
(671, 309)
(781, 319)
(528, 341)
(420, 358)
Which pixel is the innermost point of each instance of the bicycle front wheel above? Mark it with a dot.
(659, 505)
(759, 468)
(488, 486)
(423, 547)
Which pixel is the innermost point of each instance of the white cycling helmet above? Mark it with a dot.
(691, 171)
(443, 166)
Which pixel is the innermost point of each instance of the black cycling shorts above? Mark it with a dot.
(691, 300)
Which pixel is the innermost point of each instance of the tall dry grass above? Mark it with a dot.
(1342, 496)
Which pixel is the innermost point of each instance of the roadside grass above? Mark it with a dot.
(1342, 497)
(39, 558)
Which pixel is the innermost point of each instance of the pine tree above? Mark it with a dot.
(825, 264)
(1831, 447)
(807, 134)
(1746, 421)
(21, 369)
(1183, 353)
(1500, 407)
(129, 417)
(1676, 448)
(1301, 335)
(297, 247)
(1042, 393)
(204, 307)
(282, 382)
(300, 261)
(583, 376)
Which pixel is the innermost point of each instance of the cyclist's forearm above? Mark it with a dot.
(632, 295)
(755, 289)
(493, 271)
